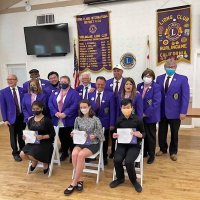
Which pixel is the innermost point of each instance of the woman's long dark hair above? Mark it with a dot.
(133, 92)
(91, 112)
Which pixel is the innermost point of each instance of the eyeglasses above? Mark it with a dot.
(11, 79)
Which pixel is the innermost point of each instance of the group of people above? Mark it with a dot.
(114, 103)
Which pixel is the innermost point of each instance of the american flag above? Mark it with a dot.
(148, 53)
(76, 68)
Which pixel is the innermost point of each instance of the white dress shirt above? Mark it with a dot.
(115, 83)
(18, 97)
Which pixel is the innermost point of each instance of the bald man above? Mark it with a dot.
(11, 110)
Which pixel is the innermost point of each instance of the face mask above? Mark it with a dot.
(33, 89)
(64, 86)
(126, 111)
(170, 71)
(147, 80)
(85, 110)
(37, 112)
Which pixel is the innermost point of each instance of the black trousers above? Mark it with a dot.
(127, 153)
(65, 139)
(150, 139)
(105, 143)
(16, 135)
(162, 135)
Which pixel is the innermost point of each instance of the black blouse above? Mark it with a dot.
(43, 127)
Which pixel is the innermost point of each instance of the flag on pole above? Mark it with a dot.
(148, 54)
(76, 68)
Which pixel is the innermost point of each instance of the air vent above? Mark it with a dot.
(45, 19)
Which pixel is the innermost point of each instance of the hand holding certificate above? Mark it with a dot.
(30, 136)
(126, 136)
(81, 137)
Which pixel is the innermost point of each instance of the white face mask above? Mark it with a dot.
(85, 110)
(147, 80)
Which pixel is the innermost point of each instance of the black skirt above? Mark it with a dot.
(92, 147)
(41, 152)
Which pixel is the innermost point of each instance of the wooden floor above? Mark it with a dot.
(164, 179)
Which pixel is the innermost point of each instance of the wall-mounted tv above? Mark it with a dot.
(48, 40)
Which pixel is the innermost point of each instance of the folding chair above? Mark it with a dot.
(55, 156)
(138, 164)
(94, 168)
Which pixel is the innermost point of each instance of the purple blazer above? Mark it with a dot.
(107, 109)
(26, 104)
(176, 100)
(151, 102)
(70, 107)
(79, 89)
(137, 105)
(44, 83)
(49, 89)
(8, 107)
(109, 85)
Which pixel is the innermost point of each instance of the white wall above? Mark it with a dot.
(131, 22)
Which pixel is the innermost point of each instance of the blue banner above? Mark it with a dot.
(94, 42)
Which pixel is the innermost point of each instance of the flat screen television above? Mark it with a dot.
(47, 40)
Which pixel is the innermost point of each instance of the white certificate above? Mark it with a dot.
(79, 137)
(126, 136)
(30, 136)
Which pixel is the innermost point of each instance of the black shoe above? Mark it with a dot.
(116, 182)
(46, 170)
(150, 160)
(17, 158)
(111, 155)
(70, 189)
(63, 157)
(137, 186)
(31, 168)
(105, 161)
(80, 186)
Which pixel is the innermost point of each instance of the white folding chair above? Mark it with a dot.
(55, 156)
(138, 164)
(94, 168)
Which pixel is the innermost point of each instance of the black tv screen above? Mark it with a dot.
(48, 40)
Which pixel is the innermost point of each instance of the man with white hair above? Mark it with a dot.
(86, 85)
(174, 104)
(11, 110)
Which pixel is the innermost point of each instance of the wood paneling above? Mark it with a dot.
(163, 180)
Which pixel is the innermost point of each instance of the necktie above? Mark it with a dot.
(60, 102)
(98, 103)
(16, 102)
(167, 84)
(116, 88)
(86, 93)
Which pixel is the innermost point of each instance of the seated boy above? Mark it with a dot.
(128, 152)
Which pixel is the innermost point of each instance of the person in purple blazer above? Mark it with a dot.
(63, 105)
(115, 85)
(86, 86)
(151, 95)
(11, 110)
(103, 104)
(174, 104)
(53, 78)
(34, 94)
(34, 74)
